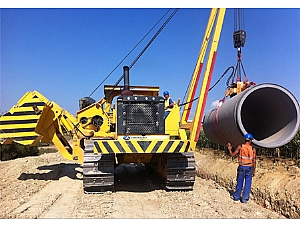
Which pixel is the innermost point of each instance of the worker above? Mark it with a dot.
(168, 103)
(246, 169)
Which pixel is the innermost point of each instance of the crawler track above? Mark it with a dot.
(98, 171)
(181, 171)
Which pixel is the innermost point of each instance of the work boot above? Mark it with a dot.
(234, 199)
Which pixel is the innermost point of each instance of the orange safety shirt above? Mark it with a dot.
(246, 155)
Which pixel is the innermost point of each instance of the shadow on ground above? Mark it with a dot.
(128, 177)
(136, 178)
(55, 172)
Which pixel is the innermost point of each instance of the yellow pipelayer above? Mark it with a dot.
(133, 130)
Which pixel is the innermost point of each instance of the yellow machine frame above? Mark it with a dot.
(96, 121)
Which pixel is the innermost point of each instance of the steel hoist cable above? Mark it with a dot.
(225, 72)
(140, 54)
(239, 39)
(239, 22)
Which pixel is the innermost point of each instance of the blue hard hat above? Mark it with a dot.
(166, 93)
(248, 136)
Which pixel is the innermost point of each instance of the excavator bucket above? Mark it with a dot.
(18, 124)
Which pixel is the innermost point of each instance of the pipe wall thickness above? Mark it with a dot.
(268, 111)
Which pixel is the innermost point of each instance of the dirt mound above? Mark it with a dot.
(275, 186)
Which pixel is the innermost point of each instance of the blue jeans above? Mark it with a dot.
(166, 114)
(244, 178)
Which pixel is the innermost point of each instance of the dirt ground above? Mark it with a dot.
(48, 186)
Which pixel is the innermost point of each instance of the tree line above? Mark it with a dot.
(290, 150)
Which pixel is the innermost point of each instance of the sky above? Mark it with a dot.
(65, 53)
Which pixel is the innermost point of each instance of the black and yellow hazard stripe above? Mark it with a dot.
(20, 121)
(138, 146)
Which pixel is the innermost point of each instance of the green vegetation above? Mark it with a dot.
(204, 142)
(290, 150)
(15, 150)
(47, 150)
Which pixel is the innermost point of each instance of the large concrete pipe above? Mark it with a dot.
(268, 111)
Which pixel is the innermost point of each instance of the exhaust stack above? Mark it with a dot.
(268, 111)
(126, 91)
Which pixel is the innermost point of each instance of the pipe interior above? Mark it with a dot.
(269, 114)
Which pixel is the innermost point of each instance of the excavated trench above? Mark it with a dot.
(275, 186)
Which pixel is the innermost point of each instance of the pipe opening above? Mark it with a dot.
(270, 115)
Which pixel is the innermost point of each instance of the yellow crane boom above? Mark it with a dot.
(215, 23)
